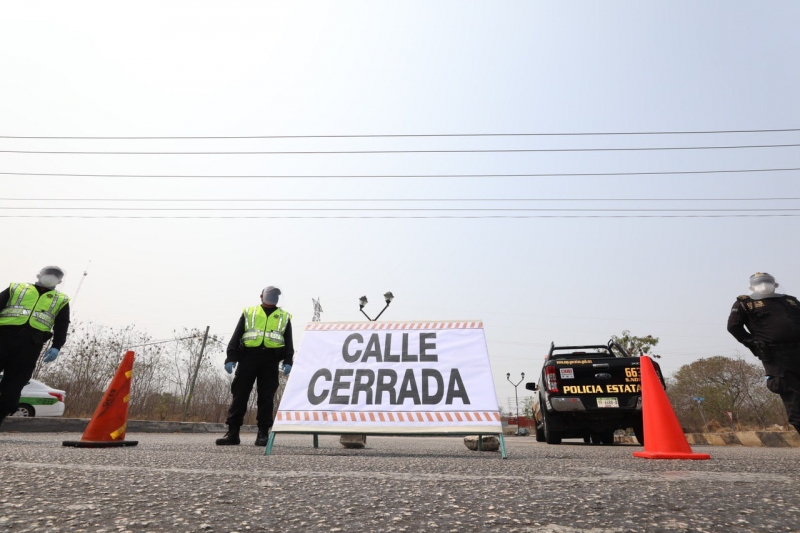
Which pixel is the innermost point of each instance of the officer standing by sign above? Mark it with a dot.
(263, 337)
(773, 335)
(30, 314)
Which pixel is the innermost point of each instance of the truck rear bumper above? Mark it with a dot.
(566, 404)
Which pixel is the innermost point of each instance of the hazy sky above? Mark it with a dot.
(337, 68)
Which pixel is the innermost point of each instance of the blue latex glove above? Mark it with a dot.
(230, 366)
(50, 355)
(286, 369)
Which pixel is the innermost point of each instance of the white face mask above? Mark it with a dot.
(764, 288)
(49, 280)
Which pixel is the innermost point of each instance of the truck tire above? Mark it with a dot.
(639, 432)
(550, 436)
(603, 437)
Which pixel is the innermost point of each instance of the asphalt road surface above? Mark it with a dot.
(186, 483)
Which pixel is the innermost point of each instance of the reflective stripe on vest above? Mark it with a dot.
(25, 305)
(263, 330)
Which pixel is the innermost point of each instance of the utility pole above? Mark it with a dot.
(317, 310)
(194, 377)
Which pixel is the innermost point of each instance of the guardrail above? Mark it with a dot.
(78, 425)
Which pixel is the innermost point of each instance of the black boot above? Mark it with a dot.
(263, 437)
(231, 438)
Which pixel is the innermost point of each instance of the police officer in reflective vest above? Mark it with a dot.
(263, 337)
(773, 335)
(30, 314)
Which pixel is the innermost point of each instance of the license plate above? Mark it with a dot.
(607, 402)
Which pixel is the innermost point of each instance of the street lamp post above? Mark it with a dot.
(700, 401)
(359, 441)
(516, 397)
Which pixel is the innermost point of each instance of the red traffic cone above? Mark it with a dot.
(663, 436)
(106, 429)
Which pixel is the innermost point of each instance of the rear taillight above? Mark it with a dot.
(59, 397)
(550, 381)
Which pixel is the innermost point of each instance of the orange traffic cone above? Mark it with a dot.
(106, 429)
(663, 436)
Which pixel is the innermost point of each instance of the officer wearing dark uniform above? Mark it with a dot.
(30, 315)
(773, 335)
(263, 337)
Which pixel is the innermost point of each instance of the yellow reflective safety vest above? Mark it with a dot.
(263, 330)
(25, 305)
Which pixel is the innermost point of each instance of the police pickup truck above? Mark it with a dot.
(588, 392)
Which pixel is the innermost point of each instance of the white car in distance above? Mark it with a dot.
(39, 399)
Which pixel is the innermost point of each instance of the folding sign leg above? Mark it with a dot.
(480, 443)
(316, 440)
(270, 442)
(502, 446)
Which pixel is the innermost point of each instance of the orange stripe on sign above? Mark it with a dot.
(380, 417)
(458, 417)
(372, 417)
(430, 418)
(439, 417)
(469, 418)
(391, 418)
(324, 416)
(306, 416)
(496, 416)
(363, 418)
(420, 418)
(449, 418)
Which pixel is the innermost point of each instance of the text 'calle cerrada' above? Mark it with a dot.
(385, 386)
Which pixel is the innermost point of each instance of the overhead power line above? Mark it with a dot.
(383, 152)
(760, 215)
(394, 135)
(448, 200)
(402, 176)
(403, 209)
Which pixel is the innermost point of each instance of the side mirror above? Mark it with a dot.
(531, 386)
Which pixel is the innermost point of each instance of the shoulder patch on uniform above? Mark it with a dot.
(743, 297)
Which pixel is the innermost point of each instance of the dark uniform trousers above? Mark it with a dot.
(783, 373)
(255, 365)
(18, 354)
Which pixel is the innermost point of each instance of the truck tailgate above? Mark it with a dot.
(603, 382)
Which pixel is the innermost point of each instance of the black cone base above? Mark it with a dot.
(93, 444)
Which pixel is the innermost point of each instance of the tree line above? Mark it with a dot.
(163, 373)
(702, 392)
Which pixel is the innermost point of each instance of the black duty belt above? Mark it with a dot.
(786, 346)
